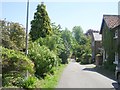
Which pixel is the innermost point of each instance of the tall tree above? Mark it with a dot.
(78, 34)
(40, 26)
(68, 38)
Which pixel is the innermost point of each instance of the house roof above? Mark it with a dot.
(97, 36)
(112, 21)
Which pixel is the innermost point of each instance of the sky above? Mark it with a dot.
(84, 13)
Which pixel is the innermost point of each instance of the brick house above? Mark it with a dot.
(110, 30)
(96, 44)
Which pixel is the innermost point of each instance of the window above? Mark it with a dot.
(116, 58)
(116, 34)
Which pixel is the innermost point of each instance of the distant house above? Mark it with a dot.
(96, 44)
(110, 30)
(90, 31)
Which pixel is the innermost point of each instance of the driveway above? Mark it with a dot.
(83, 76)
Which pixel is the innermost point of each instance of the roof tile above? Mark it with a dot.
(112, 21)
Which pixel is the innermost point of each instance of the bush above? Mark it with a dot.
(86, 58)
(10, 80)
(64, 56)
(109, 65)
(43, 58)
(14, 67)
(55, 44)
(31, 82)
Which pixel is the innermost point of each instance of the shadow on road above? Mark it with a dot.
(105, 73)
(102, 71)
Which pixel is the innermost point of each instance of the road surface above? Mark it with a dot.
(81, 76)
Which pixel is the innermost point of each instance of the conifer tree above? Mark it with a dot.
(40, 25)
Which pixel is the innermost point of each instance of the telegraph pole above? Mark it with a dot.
(26, 51)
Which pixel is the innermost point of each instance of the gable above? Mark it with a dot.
(111, 21)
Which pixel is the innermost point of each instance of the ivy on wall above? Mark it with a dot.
(110, 46)
(109, 43)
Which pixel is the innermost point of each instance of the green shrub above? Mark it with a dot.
(56, 44)
(31, 82)
(43, 58)
(15, 61)
(86, 58)
(109, 65)
(12, 80)
(14, 67)
(64, 56)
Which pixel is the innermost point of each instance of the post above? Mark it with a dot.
(26, 51)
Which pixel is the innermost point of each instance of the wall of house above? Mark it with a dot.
(93, 50)
(119, 44)
(108, 42)
(93, 47)
(98, 45)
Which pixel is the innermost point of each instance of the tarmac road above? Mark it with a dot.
(81, 76)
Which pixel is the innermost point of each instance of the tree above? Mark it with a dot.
(67, 37)
(13, 35)
(40, 26)
(78, 34)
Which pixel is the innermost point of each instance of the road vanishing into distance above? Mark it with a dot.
(84, 76)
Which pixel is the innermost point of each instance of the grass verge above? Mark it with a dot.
(51, 80)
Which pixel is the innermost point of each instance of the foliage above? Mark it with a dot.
(70, 44)
(78, 35)
(109, 65)
(56, 28)
(13, 35)
(51, 80)
(12, 79)
(14, 67)
(109, 43)
(78, 53)
(109, 47)
(86, 57)
(40, 26)
(43, 58)
(57, 44)
(82, 50)
(68, 39)
(30, 83)
(54, 43)
(64, 55)
(49, 41)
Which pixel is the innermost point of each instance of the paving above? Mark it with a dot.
(84, 76)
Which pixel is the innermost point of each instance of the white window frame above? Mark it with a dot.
(116, 58)
(116, 34)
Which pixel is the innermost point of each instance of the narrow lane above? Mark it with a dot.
(77, 76)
